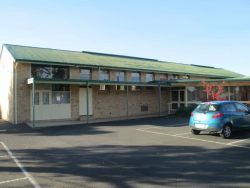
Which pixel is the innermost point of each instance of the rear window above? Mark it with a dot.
(207, 108)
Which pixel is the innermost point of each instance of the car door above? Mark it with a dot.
(229, 110)
(245, 115)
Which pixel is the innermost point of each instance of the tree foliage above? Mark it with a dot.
(214, 90)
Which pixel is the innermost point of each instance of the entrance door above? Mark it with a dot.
(83, 101)
(178, 99)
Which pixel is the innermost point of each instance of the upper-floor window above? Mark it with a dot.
(135, 77)
(185, 76)
(50, 72)
(85, 74)
(103, 75)
(120, 76)
(149, 77)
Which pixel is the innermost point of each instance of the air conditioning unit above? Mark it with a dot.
(102, 87)
(133, 88)
(120, 88)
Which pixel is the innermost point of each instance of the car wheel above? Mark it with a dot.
(226, 132)
(196, 132)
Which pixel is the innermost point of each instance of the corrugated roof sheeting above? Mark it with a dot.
(25, 53)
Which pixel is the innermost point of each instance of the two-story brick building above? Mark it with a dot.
(41, 85)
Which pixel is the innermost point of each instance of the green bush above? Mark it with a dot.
(185, 111)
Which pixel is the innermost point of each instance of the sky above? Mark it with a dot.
(204, 32)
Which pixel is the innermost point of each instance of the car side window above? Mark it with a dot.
(228, 108)
(241, 108)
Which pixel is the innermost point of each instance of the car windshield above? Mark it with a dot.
(207, 108)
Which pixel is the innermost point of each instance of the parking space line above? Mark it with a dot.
(9, 181)
(25, 172)
(4, 156)
(237, 141)
(179, 136)
(158, 127)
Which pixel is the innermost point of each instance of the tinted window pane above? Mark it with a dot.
(228, 108)
(207, 108)
(135, 77)
(41, 71)
(60, 97)
(85, 74)
(45, 71)
(149, 77)
(60, 87)
(36, 100)
(120, 76)
(241, 108)
(45, 97)
(103, 75)
(175, 96)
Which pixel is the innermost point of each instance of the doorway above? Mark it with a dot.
(83, 101)
(177, 98)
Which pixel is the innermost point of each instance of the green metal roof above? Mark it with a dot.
(54, 56)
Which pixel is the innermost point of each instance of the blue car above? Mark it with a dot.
(221, 117)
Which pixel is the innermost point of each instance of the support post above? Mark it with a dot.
(159, 99)
(87, 99)
(33, 104)
(127, 100)
(186, 96)
(229, 93)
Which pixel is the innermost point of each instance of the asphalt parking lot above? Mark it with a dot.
(156, 152)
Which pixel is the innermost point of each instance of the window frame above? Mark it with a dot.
(139, 77)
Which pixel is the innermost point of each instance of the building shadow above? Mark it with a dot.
(138, 166)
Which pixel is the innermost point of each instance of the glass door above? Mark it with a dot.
(177, 98)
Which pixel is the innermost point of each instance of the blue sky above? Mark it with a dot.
(206, 32)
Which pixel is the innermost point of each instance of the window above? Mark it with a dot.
(45, 96)
(149, 77)
(206, 107)
(175, 76)
(49, 72)
(135, 77)
(241, 108)
(36, 98)
(196, 94)
(60, 94)
(103, 75)
(228, 108)
(85, 74)
(120, 76)
(240, 93)
(185, 77)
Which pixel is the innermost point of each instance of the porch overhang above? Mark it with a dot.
(244, 81)
(94, 82)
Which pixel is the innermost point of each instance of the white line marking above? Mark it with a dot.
(9, 181)
(181, 134)
(2, 156)
(237, 141)
(3, 130)
(158, 127)
(25, 172)
(192, 138)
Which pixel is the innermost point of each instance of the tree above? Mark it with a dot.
(214, 90)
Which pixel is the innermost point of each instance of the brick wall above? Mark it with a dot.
(74, 73)
(110, 104)
(74, 91)
(23, 93)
